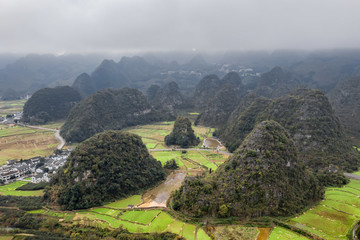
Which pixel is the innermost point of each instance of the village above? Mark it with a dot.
(39, 169)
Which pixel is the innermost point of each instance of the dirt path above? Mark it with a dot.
(352, 176)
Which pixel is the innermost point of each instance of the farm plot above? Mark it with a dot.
(124, 203)
(334, 217)
(10, 189)
(215, 157)
(235, 232)
(285, 234)
(10, 107)
(18, 142)
(143, 217)
(141, 221)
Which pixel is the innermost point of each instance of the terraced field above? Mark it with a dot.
(334, 217)
(136, 221)
(18, 142)
(285, 234)
(10, 107)
(10, 189)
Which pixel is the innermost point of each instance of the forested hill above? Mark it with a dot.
(50, 104)
(307, 115)
(263, 178)
(106, 167)
(108, 109)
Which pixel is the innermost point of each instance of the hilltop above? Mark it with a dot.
(311, 122)
(50, 104)
(182, 134)
(106, 167)
(108, 109)
(264, 177)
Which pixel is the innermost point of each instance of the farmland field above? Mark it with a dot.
(236, 232)
(334, 217)
(10, 189)
(122, 204)
(18, 142)
(285, 234)
(10, 107)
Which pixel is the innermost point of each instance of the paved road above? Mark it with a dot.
(352, 176)
(57, 133)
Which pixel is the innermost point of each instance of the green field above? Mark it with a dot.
(123, 204)
(144, 217)
(285, 234)
(10, 189)
(332, 218)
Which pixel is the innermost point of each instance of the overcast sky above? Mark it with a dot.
(73, 26)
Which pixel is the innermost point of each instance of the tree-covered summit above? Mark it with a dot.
(105, 167)
(264, 177)
(182, 134)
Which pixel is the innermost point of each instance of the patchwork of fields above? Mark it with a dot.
(10, 107)
(115, 215)
(18, 142)
(333, 218)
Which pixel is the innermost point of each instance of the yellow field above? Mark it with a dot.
(18, 142)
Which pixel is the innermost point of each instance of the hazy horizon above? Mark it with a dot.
(110, 26)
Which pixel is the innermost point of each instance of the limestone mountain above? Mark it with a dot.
(210, 84)
(233, 133)
(345, 99)
(108, 109)
(182, 134)
(277, 83)
(205, 90)
(311, 122)
(219, 107)
(106, 167)
(152, 91)
(168, 97)
(50, 104)
(264, 177)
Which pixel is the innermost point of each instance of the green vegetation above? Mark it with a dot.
(263, 178)
(106, 167)
(22, 202)
(11, 189)
(182, 134)
(171, 164)
(33, 186)
(108, 109)
(303, 111)
(122, 204)
(50, 104)
(143, 217)
(285, 234)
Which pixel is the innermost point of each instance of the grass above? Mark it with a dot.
(39, 211)
(285, 234)
(10, 189)
(107, 211)
(122, 204)
(201, 235)
(144, 217)
(18, 142)
(189, 231)
(334, 217)
(6, 237)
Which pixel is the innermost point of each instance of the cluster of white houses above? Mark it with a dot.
(39, 168)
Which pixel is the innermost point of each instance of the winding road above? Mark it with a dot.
(57, 134)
